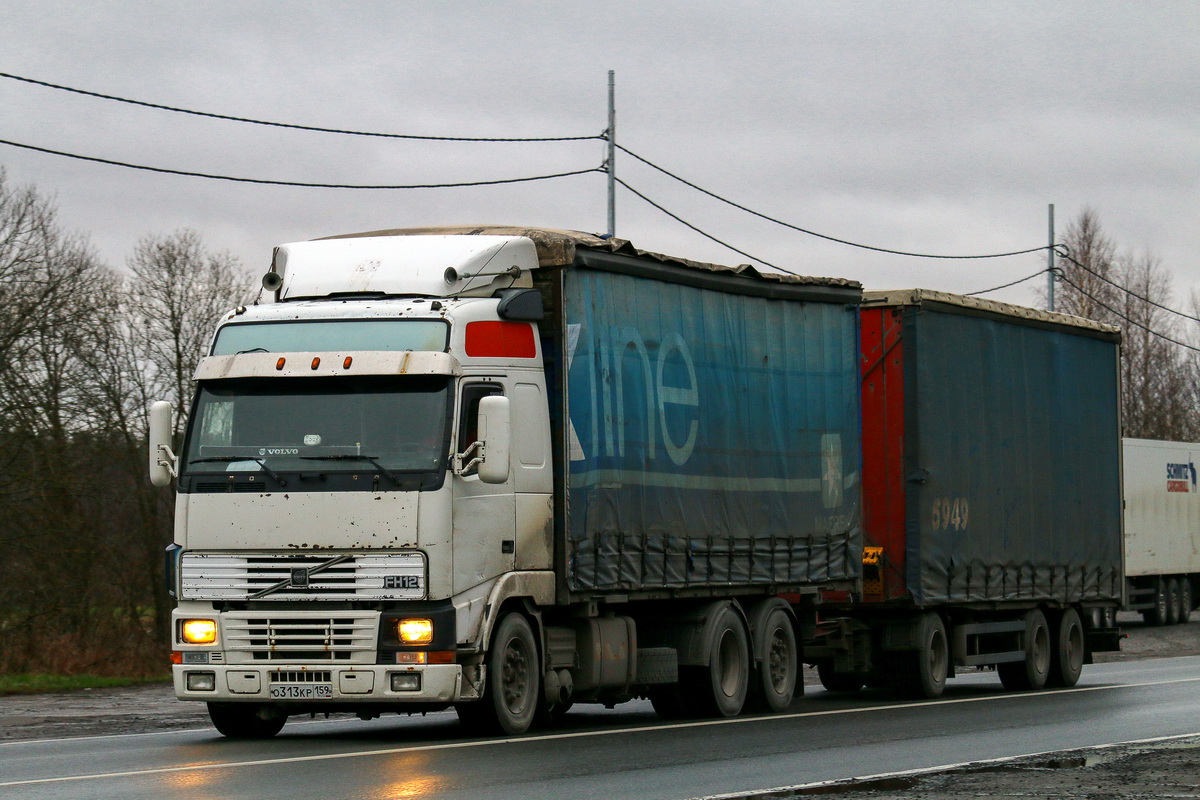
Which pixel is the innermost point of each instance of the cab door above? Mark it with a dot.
(484, 513)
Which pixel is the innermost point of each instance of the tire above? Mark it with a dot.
(1173, 606)
(1066, 663)
(921, 673)
(1157, 615)
(242, 721)
(720, 689)
(838, 681)
(775, 680)
(1032, 673)
(513, 684)
(1185, 600)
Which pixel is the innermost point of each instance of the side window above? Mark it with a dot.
(468, 420)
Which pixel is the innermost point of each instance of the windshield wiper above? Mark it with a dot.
(348, 457)
(282, 481)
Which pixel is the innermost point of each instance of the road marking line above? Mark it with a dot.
(581, 734)
(908, 773)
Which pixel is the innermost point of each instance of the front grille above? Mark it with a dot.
(302, 636)
(303, 576)
(301, 676)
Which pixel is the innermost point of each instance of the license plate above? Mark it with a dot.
(311, 691)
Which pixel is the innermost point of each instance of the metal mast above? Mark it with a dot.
(611, 163)
(1050, 262)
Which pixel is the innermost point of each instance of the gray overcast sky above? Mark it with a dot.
(943, 127)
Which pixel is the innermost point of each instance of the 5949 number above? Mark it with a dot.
(950, 513)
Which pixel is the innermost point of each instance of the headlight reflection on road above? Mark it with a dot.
(406, 776)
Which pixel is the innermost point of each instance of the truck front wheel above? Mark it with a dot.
(513, 681)
(243, 721)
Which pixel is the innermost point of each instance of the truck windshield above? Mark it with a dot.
(328, 335)
(394, 424)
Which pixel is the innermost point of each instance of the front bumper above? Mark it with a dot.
(341, 685)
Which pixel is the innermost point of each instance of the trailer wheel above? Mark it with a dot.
(1032, 673)
(242, 721)
(1157, 615)
(720, 688)
(513, 681)
(1173, 606)
(776, 682)
(838, 681)
(922, 673)
(1185, 599)
(1066, 665)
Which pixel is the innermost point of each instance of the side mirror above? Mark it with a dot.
(495, 430)
(162, 459)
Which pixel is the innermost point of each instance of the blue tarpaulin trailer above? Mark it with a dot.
(993, 452)
(710, 426)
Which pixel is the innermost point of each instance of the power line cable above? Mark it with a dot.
(814, 233)
(1125, 317)
(1005, 286)
(1064, 252)
(301, 184)
(680, 220)
(291, 126)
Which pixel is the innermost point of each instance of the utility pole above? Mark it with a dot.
(612, 155)
(1050, 261)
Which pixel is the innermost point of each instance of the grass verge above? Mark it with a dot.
(40, 683)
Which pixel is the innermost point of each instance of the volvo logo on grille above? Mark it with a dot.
(299, 576)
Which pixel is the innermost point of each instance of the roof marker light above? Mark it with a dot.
(279, 364)
(349, 360)
(316, 362)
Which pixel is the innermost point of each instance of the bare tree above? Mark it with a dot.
(1160, 391)
(83, 351)
(1087, 288)
(179, 290)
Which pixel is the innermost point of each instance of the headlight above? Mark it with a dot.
(198, 631)
(406, 681)
(414, 631)
(201, 681)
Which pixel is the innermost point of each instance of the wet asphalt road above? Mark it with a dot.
(623, 753)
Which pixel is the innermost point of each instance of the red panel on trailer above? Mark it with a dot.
(882, 366)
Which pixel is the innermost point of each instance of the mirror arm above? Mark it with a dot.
(470, 458)
(168, 460)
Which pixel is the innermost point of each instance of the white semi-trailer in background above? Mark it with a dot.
(1162, 529)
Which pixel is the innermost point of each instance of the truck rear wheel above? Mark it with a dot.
(242, 721)
(776, 678)
(513, 683)
(922, 673)
(720, 688)
(1185, 599)
(1032, 673)
(1066, 665)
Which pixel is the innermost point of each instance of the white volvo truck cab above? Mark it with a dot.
(365, 478)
